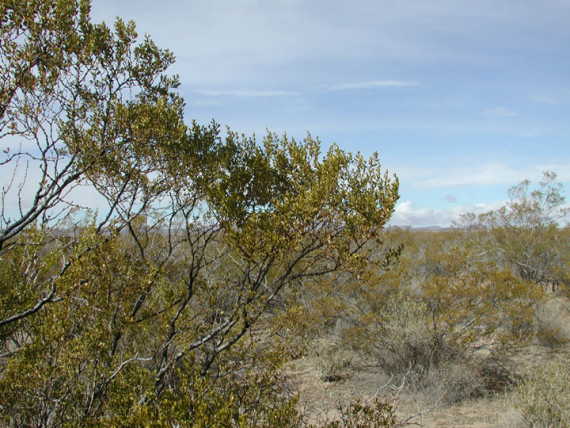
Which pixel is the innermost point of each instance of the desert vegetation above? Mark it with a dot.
(215, 263)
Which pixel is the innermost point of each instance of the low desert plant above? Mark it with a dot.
(400, 338)
(543, 398)
(411, 344)
(358, 414)
(332, 360)
(460, 379)
(552, 322)
(449, 383)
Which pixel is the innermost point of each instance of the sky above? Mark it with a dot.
(462, 99)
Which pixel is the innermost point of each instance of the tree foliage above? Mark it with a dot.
(526, 234)
(143, 313)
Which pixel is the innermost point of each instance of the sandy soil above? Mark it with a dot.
(319, 399)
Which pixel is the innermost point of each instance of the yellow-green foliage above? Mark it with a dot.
(425, 317)
(440, 293)
(216, 257)
(143, 314)
(525, 235)
(89, 361)
(250, 400)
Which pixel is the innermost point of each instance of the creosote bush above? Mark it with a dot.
(142, 313)
(216, 257)
(440, 317)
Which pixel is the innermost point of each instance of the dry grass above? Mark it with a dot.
(441, 384)
(553, 322)
(333, 361)
(543, 398)
(436, 403)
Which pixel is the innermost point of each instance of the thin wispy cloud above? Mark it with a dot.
(462, 98)
(246, 93)
(545, 99)
(499, 111)
(372, 84)
(482, 175)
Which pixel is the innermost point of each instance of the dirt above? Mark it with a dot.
(320, 399)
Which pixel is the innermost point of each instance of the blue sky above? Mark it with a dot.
(462, 99)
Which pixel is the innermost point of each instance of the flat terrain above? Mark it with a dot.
(319, 399)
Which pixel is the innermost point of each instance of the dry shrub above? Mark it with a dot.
(450, 383)
(553, 322)
(543, 398)
(406, 344)
(332, 360)
(461, 379)
(399, 338)
(498, 374)
(358, 414)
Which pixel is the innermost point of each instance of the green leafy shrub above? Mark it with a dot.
(143, 313)
(525, 236)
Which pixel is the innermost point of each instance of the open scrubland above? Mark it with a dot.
(450, 335)
(223, 281)
(468, 326)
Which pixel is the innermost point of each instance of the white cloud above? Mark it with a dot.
(545, 99)
(243, 41)
(406, 214)
(499, 111)
(374, 84)
(488, 174)
(479, 175)
(245, 93)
